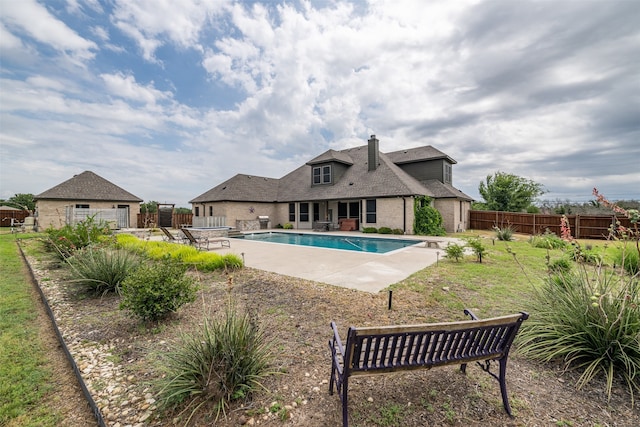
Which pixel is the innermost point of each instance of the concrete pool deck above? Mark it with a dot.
(367, 272)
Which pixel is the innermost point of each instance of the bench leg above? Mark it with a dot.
(503, 385)
(345, 406)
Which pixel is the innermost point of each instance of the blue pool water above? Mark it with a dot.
(349, 243)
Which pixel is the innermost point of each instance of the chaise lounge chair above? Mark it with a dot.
(168, 237)
(202, 242)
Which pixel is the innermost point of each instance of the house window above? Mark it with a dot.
(197, 213)
(322, 175)
(304, 212)
(80, 206)
(292, 212)
(326, 174)
(210, 210)
(447, 173)
(342, 210)
(316, 211)
(371, 211)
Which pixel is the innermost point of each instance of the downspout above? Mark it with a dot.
(404, 214)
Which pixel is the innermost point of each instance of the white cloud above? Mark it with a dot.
(125, 86)
(153, 22)
(35, 20)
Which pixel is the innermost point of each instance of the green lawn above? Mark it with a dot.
(24, 366)
(501, 284)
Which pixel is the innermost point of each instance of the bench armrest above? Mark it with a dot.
(470, 313)
(336, 339)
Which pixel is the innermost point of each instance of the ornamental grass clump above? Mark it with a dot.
(102, 269)
(504, 233)
(224, 361)
(590, 321)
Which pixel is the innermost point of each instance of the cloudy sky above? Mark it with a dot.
(168, 98)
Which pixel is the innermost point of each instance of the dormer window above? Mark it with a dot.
(447, 173)
(322, 175)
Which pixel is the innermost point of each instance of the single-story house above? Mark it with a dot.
(85, 195)
(360, 186)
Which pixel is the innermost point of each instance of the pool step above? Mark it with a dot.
(235, 233)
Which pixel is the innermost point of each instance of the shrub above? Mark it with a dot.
(157, 289)
(476, 246)
(398, 231)
(454, 251)
(205, 261)
(66, 240)
(369, 230)
(504, 233)
(629, 258)
(584, 255)
(288, 226)
(590, 322)
(384, 230)
(102, 270)
(560, 265)
(224, 361)
(547, 240)
(428, 221)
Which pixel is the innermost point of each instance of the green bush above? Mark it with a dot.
(384, 230)
(369, 230)
(157, 289)
(288, 226)
(477, 247)
(628, 257)
(101, 269)
(398, 231)
(547, 240)
(66, 240)
(224, 361)
(584, 255)
(454, 251)
(427, 220)
(504, 233)
(590, 321)
(204, 261)
(560, 265)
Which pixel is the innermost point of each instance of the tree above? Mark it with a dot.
(508, 192)
(22, 201)
(149, 207)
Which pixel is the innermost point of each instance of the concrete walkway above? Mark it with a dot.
(357, 270)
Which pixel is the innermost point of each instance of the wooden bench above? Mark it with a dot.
(385, 349)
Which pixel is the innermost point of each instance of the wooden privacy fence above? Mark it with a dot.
(582, 226)
(16, 215)
(149, 220)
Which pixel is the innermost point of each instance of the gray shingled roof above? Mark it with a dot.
(332, 156)
(242, 188)
(387, 180)
(418, 154)
(88, 186)
(441, 190)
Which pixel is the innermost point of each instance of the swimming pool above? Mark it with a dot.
(349, 243)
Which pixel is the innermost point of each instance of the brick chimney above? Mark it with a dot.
(374, 156)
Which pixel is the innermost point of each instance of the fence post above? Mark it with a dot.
(577, 226)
